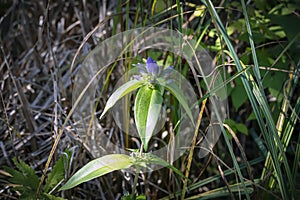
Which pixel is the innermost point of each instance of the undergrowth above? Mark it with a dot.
(255, 47)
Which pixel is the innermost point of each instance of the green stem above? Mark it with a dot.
(136, 178)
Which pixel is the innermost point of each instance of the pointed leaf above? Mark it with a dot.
(121, 92)
(157, 160)
(180, 96)
(97, 168)
(147, 108)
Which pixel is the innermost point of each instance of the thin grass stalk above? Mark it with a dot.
(225, 181)
(117, 18)
(191, 152)
(223, 191)
(288, 131)
(235, 163)
(268, 162)
(213, 178)
(54, 146)
(126, 114)
(257, 97)
(136, 178)
(290, 126)
(297, 155)
(217, 20)
(179, 15)
(240, 147)
(252, 45)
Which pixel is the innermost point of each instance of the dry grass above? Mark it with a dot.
(38, 43)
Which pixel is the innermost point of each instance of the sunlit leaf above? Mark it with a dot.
(147, 108)
(99, 167)
(121, 92)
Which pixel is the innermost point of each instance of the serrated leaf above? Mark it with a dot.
(179, 95)
(97, 168)
(25, 179)
(57, 174)
(25, 176)
(147, 108)
(126, 88)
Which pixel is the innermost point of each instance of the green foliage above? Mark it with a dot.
(121, 92)
(260, 30)
(178, 93)
(58, 173)
(109, 163)
(238, 94)
(133, 197)
(147, 108)
(26, 181)
(262, 36)
(236, 127)
(158, 161)
(149, 99)
(97, 168)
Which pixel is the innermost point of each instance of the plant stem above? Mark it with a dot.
(190, 158)
(138, 169)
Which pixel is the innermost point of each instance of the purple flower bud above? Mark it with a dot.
(152, 67)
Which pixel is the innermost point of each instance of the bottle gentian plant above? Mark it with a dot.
(151, 81)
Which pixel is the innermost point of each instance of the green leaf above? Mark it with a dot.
(25, 176)
(57, 174)
(242, 128)
(25, 179)
(121, 92)
(238, 95)
(156, 160)
(147, 108)
(179, 95)
(51, 197)
(97, 168)
(133, 197)
(237, 126)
